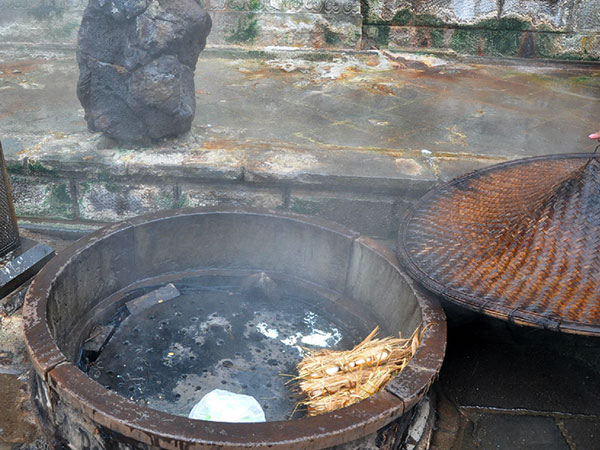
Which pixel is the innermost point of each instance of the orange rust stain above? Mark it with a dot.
(381, 89)
(119, 68)
(260, 73)
(234, 144)
(23, 67)
(215, 144)
(372, 61)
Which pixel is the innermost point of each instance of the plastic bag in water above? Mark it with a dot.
(225, 406)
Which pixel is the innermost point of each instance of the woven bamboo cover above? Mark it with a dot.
(519, 241)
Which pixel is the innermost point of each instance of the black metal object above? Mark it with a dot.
(20, 258)
(22, 263)
(9, 231)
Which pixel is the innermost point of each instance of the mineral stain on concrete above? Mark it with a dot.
(293, 94)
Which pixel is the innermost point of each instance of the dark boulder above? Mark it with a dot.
(136, 66)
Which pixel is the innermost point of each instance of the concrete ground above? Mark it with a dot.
(369, 131)
(326, 101)
(509, 387)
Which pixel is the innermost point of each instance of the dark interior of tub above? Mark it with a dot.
(164, 323)
(218, 335)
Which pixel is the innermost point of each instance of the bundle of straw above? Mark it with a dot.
(333, 379)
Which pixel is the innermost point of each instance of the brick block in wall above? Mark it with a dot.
(230, 195)
(42, 198)
(111, 202)
(370, 215)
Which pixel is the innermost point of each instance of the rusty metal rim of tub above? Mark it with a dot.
(157, 428)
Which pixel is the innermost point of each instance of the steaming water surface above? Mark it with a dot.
(214, 336)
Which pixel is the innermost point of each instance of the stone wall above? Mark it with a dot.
(289, 23)
(71, 182)
(565, 29)
(294, 23)
(40, 21)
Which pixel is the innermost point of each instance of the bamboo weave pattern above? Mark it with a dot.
(518, 241)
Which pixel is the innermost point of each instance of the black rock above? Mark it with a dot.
(260, 285)
(136, 66)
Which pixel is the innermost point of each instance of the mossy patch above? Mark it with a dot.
(167, 201)
(438, 38)
(486, 42)
(15, 167)
(58, 201)
(422, 37)
(490, 37)
(402, 17)
(331, 37)
(112, 188)
(85, 188)
(38, 167)
(427, 20)
(502, 42)
(545, 44)
(464, 41)
(246, 31)
(303, 206)
(254, 5)
(60, 194)
(505, 23)
(382, 38)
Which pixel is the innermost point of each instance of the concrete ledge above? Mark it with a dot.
(70, 178)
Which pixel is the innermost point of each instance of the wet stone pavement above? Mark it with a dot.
(366, 101)
(504, 386)
(501, 386)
